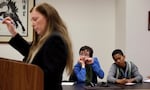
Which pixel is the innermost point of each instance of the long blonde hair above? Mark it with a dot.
(54, 23)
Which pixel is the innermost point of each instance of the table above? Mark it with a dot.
(138, 86)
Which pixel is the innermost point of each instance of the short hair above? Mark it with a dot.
(117, 51)
(89, 49)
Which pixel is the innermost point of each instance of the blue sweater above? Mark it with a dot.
(81, 72)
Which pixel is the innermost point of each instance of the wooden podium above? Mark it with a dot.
(17, 75)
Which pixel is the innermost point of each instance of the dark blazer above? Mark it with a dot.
(51, 58)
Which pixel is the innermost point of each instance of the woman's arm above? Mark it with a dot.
(20, 44)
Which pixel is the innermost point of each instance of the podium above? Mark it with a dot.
(17, 75)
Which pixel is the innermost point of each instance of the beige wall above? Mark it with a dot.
(137, 34)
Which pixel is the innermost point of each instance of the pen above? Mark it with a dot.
(1, 19)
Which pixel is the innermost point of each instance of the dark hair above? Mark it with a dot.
(88, 49)
(117, 51)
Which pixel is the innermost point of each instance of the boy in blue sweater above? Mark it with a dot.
(88, 67)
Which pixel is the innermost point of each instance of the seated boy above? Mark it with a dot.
(122, 71)
(88, 68)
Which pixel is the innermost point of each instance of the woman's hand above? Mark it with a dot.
(9, 23)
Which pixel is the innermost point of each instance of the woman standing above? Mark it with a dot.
(51, 49)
